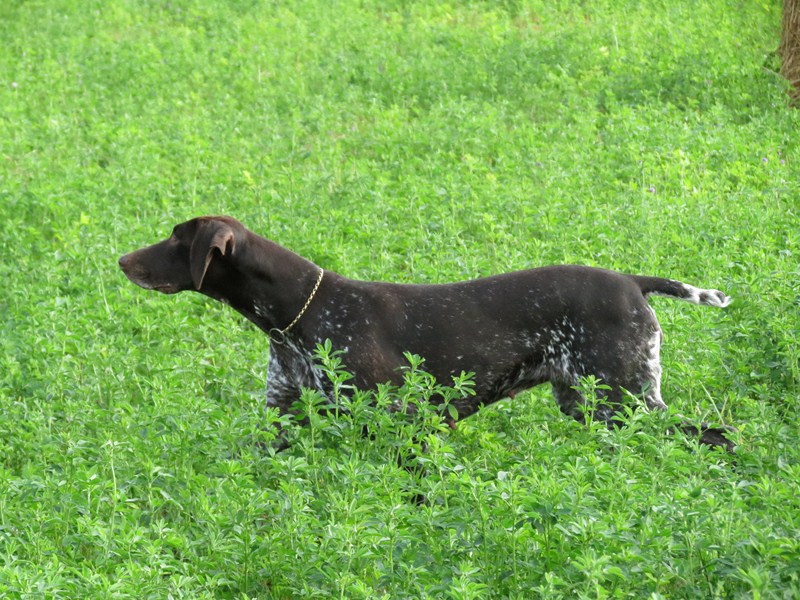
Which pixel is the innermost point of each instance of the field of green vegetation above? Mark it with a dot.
(398, 140)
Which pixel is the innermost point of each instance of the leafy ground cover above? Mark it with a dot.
(410, 141)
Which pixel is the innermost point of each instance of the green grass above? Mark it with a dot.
(407, 141)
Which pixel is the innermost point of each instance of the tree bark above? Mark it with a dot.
(789, 50)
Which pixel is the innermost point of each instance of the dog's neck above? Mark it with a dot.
(276, 290)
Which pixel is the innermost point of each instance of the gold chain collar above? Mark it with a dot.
(278, 336)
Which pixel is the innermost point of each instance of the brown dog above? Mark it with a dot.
(513, 331)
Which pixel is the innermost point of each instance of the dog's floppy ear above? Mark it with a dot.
(210, 236)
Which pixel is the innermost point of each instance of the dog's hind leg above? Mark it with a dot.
(710, 436)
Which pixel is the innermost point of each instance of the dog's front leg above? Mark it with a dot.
(282, 393)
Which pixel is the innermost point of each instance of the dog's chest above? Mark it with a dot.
(291, 368)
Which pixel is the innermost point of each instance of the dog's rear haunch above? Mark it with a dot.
(552, 324)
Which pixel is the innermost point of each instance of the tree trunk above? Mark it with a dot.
(789, 50)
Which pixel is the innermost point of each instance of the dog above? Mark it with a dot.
(514, 331)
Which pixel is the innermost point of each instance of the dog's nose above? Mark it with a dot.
(128, 264)
(133, 269)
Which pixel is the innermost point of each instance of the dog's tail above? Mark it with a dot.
(682, 291)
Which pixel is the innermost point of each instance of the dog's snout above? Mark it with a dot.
(132, 267)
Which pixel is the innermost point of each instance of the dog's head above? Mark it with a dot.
(181, 261)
